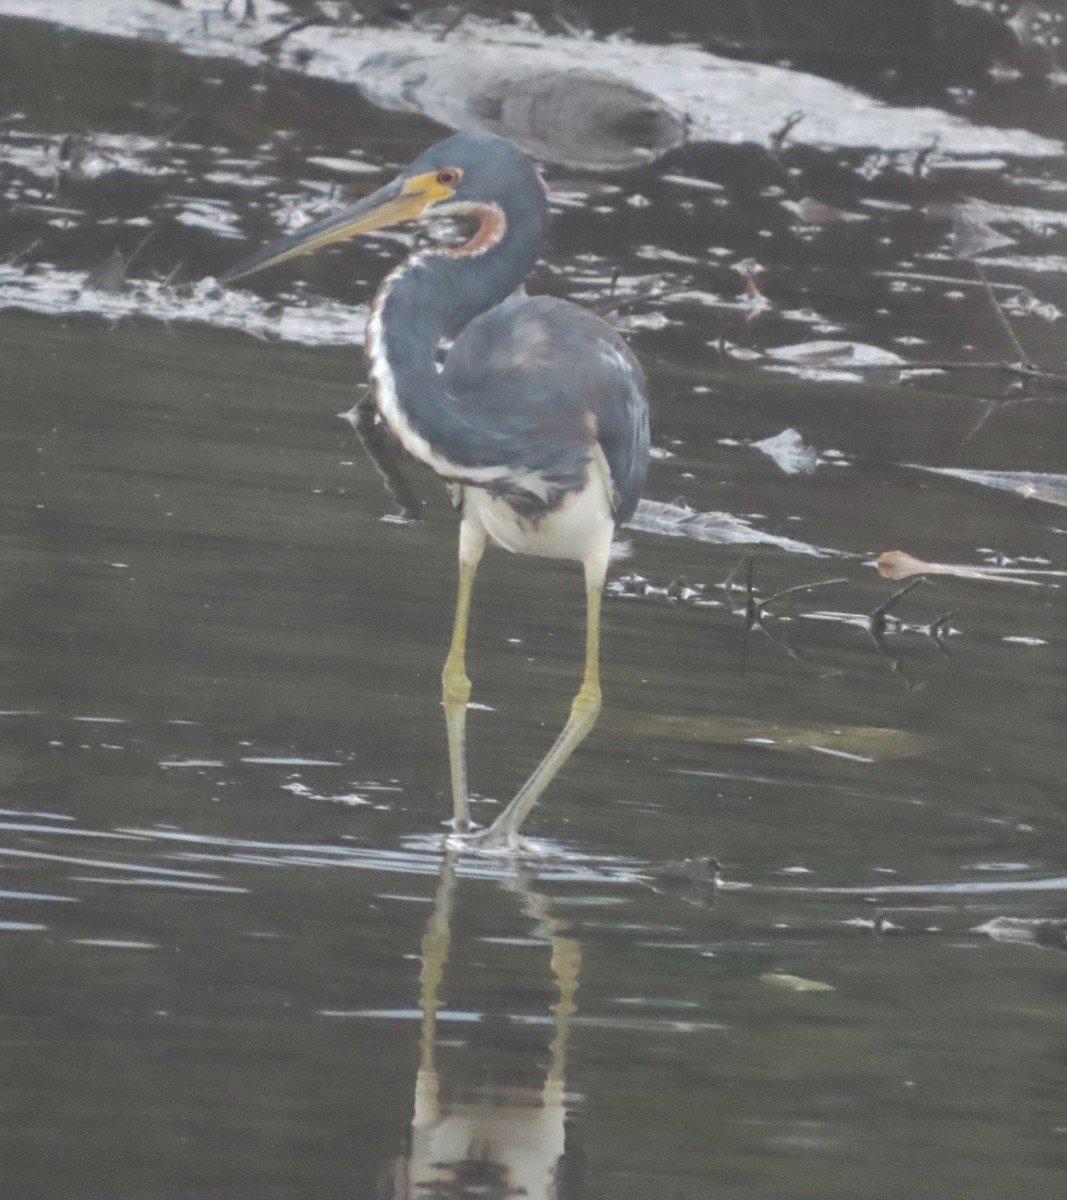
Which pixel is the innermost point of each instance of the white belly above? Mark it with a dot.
(580, 528)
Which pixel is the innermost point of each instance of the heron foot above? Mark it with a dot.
(493, 841)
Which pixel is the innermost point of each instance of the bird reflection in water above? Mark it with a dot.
(504, 1141)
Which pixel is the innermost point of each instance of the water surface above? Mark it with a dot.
(225, 916)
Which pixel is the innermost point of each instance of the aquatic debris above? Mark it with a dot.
(810, 211)
(689, 181)
(693, 880)
(857, 743)
(790, 452)
(1033, 931)
(704, 870)
(1042, 221)
(115, 943)
(716, 528)
(1035, 34)
(110, 275)
(753, 298)
(830, 360)
(1032, 485)
(795, 983)
(1025, 304)
(755, 610)
(194, 763)
(93, 156)
(681, 591)
(898, 564)
(213, 216)
(970, 238)
(968, 887)
(342, 166)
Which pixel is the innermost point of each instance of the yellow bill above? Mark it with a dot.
(405, 199)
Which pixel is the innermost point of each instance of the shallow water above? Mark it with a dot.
(226, 919)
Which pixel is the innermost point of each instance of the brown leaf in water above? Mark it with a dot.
(898, 564)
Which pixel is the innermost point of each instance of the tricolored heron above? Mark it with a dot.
(539, 415)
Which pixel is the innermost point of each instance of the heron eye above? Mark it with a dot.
(448, 177)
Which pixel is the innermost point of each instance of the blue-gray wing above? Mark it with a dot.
(545, 382)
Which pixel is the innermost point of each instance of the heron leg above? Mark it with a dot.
(585, 708)
(455, 686)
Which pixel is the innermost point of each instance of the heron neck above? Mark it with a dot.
(429, 297)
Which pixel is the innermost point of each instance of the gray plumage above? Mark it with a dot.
(550, 380)
(532, 384)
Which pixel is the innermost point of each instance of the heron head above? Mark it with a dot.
(463, 175)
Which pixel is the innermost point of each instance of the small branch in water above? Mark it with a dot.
(777, 139)
(918, 166)
(939, 629)
(1022, 360)
(803, 587)
(727, 583)
(568, 20)
(997, 407)
(276, 39)
(647, 289)
(927, 277)
(1021, 370)
(877, 618)
(773, 150)
(754, 611)
(24, 252)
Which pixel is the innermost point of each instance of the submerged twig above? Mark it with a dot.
(877, 624)
(753, 612)
(803, 587)
(997, 407)
(24, 252)
(918, 166)
(877, 617)
(1021, 370)
(647, 289)
(777, 139)
(1022, 359)
(276, 39)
